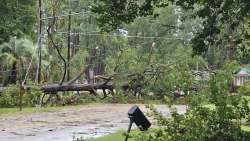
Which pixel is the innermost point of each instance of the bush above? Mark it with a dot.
(10, 97)
(31, 98)
(245, 89)
(199, 123)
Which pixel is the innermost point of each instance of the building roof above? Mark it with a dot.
(242, 71)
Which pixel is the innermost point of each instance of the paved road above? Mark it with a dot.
(62, 125)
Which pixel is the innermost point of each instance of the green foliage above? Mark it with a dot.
(219, 18)
(31, 97)
(76, 62)
(201, 123)
(18, 18)
(9, 98)
(15, 56)
(245, 89)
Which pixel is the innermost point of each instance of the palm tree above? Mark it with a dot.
(14, 56)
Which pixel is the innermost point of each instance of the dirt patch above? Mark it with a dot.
(63, 125)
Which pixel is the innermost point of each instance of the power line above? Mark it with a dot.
(91, 34)
(142, 37)
(128, 36)
(100, 55)
(65, 15)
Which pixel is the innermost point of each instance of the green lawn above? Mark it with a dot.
(117, 136)
(211, 106)
(12, 111)
(246, 128)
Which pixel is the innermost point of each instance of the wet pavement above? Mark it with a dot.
(71, 123)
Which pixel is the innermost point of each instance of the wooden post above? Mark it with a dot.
(20, 96)
(187, 108)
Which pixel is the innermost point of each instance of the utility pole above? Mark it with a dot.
(231, 54)
(231, 45)
(68, 71)
(39, 42)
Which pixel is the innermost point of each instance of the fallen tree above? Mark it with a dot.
(133, 82)
(76, 87)
(52, 89)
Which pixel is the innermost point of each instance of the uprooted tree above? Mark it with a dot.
(136, 74)
(69, 86)
(137, 70)
(147, 65)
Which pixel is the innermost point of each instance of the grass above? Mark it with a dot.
(246, 97)
(245, 128)
(13, 111)
(212, 106)
(117, 136)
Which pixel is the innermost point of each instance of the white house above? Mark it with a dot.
(241, 76)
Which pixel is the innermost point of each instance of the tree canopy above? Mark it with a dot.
(15, 56)
(223, 20)
(18, 18)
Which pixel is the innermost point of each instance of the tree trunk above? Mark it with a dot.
(76, 87)
(13, 77)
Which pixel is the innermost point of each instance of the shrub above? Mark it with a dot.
(245, 89)
(199, 123)
(10, 96)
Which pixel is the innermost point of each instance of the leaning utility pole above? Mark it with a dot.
(39, 42)
(68, 72)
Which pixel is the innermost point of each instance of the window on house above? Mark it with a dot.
(238, 80)
(246, 78)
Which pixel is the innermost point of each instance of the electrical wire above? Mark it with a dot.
(91, 34)
(34, 51)
(66, 15)
(128, 36)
